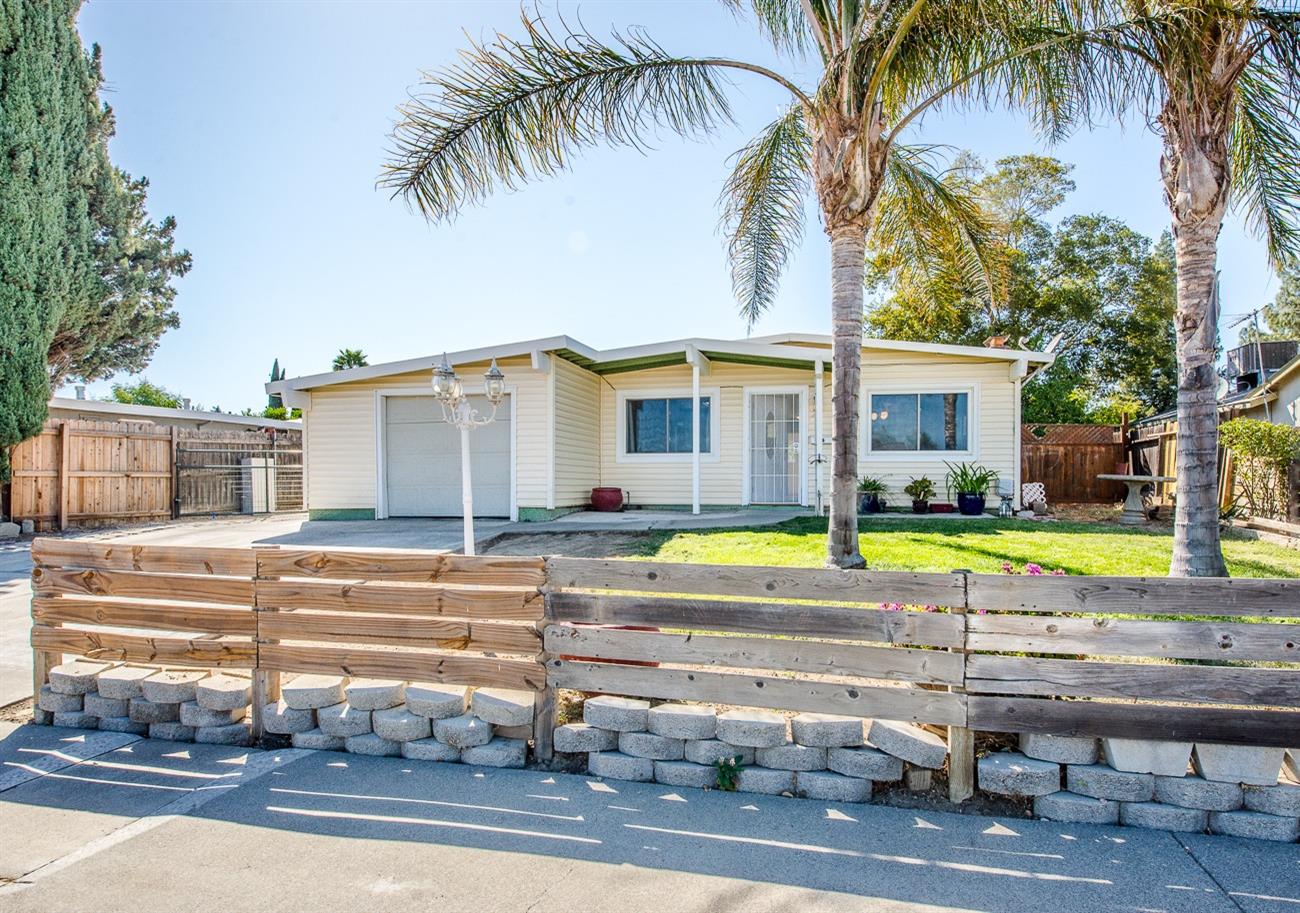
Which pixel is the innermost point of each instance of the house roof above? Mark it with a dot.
(162, 415)
(1265, 392)
(794, 350)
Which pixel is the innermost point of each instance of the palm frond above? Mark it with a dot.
(782, 22)
(514, 109)
(935, 233)
(1265, 160)
(762, 209)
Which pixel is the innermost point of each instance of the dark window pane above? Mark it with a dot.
(664, 425)
(647, 426)
(893, 421)
(944, 420)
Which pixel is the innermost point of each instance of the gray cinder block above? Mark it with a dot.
(754, 728)
(615, 765)
(1011, 774)
(622, 714)
(913, 744)
(574, 738)
(683, 721)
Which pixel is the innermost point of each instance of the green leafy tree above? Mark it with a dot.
(145, 393)
(1217, 81)
(1282, 314)
(48, 121)
(1104, 287)
(349, 358)
(515, 108)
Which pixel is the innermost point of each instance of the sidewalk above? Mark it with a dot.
(145, 826)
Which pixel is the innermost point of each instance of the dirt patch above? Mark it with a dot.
(17, 712)
(575, 544)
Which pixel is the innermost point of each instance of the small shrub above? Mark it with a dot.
(921, 489)
(1263, 452)
(728, 770)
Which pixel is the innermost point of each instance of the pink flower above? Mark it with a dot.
(932, 608)
(981, 611)
(1007, 568)
(1059, 572)
(1033, 570)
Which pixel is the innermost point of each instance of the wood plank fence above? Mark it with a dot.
(77, 473)
(1068, 458)
(1189, 659)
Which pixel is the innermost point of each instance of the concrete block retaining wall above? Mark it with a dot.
(485, 726)
(1235, 790)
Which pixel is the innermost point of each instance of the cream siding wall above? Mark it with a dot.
(721, 474)
(341, 444)
(577, 433)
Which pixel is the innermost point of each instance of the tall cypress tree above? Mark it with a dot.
(48, 119)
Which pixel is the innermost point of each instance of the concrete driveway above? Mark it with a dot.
(116, 824)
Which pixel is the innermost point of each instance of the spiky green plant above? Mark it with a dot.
(514, 108)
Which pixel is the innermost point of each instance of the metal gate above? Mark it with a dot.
(238, 474)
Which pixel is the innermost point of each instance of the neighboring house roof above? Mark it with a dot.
(161, 415)
(1265, 392)
(795, 350)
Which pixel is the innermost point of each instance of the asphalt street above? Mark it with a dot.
(96, 820)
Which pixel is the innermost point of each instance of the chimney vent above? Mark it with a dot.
(185, 403)
(81, 391)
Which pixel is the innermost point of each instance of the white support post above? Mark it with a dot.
(817, 435)
(466, 490)
(695, 437)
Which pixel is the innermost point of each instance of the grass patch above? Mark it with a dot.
(979, 546)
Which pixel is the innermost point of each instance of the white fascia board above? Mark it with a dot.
(466, 356)
(905, 346)
(164, 414)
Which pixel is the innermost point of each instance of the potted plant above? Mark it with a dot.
(871, 495)
(920, 491)
(971, 482)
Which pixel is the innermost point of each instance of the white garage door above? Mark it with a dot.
(422, 460)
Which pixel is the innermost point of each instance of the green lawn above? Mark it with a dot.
(982, 546)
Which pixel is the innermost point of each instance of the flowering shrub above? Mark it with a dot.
(1030, 569)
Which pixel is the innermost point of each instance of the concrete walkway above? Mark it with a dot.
(115, 824)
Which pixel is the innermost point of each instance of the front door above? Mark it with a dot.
(775, 463)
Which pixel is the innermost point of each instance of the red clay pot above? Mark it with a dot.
(607, 500)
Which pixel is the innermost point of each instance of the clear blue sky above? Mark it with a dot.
(263, 126)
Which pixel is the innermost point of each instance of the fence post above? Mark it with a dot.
(42, 660)
(65, 446)
(266, 684)
(544, 706)
(176, 473)
(961, 740)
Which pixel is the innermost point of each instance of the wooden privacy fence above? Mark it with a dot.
(85, 473)
(1189, 659)
(1068, 458)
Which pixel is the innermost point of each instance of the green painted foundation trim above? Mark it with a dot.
(342, 513)
(542, 514)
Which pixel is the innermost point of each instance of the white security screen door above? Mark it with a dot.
(774, 448)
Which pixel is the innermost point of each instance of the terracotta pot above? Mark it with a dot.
(607, 500)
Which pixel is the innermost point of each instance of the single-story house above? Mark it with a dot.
(575, 418)
(1276, 400)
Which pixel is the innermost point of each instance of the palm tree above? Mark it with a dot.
(349, 358)
(514, 108)
(1218, 81)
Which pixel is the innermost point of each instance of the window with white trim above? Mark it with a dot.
(920, 422)
(662, 424)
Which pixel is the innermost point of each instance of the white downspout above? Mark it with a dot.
(817, 434)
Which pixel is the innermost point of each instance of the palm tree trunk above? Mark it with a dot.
(1197, 552)
(848, 258)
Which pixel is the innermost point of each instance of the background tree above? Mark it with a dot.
(1217, 80)
(349, 358)
(1104, 287)
(48, 118)
(145, 393)
(512, 109)
(1282, 314)
(275, 400)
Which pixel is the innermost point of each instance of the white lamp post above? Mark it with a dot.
(457, 411)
